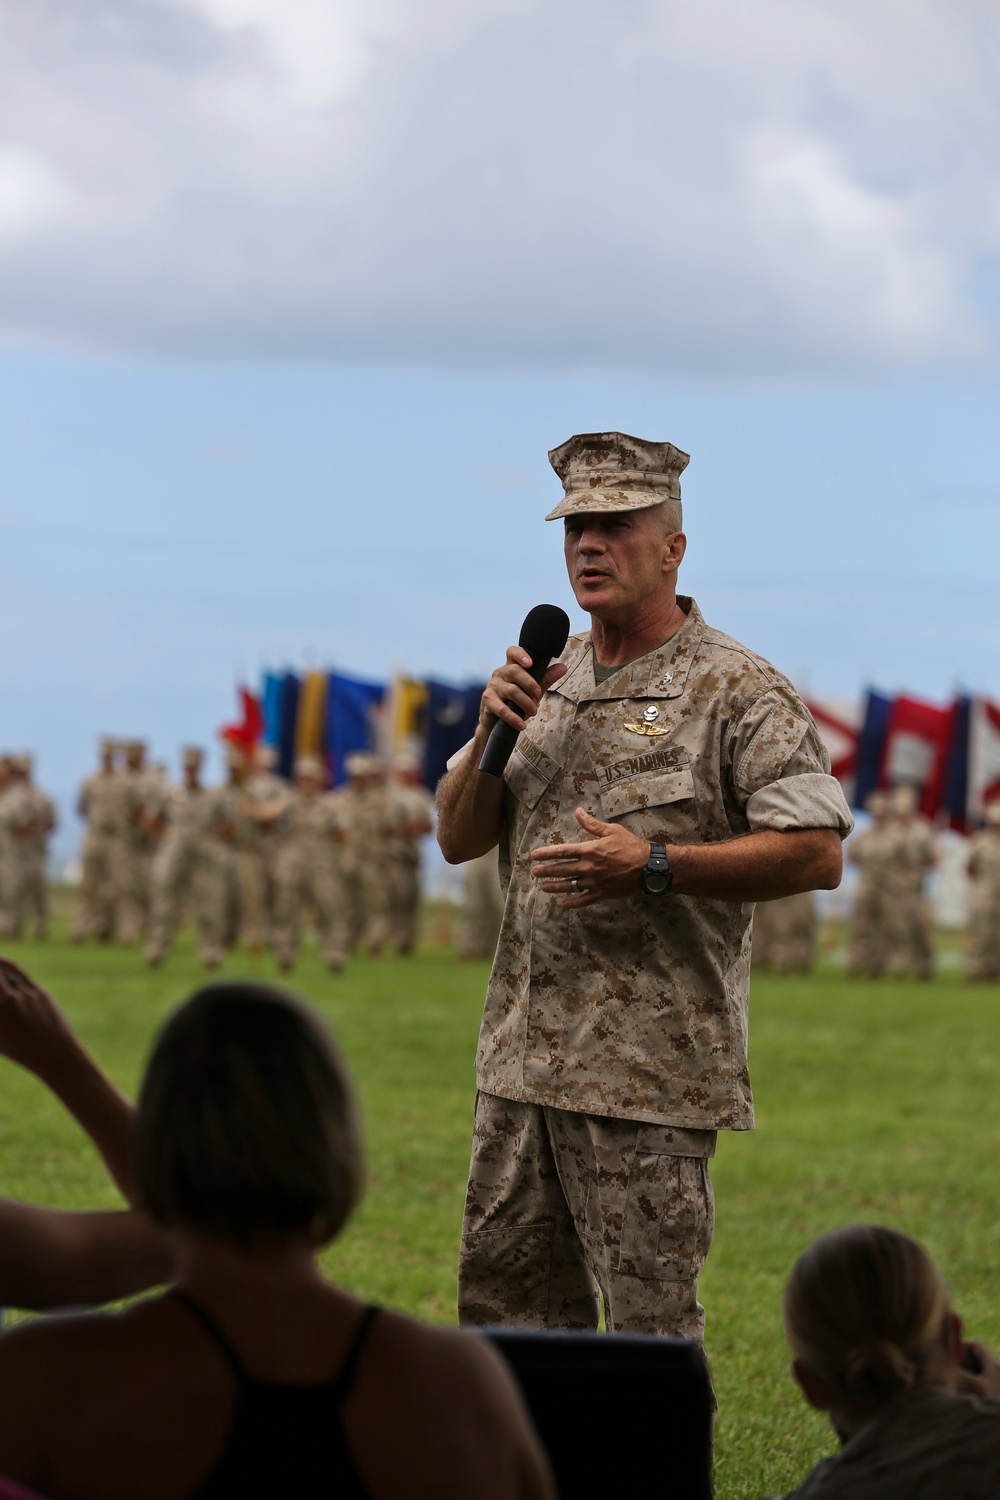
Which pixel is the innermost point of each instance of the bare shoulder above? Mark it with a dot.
(461, 1419)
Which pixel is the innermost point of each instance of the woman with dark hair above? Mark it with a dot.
(877, 1345)
(254, 1376)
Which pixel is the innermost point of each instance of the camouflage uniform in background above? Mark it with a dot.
(130, 856)
(16, 813)
(98, 805)
(482, 907)
(368, 820)
(983, 953)
(872, 852)
(412, 821)
(912, 849)
(188, 872)
(264, 789)
(32, 902)
(309, 870)
(618, 1032)
(785, 933)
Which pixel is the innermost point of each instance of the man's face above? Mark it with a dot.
(618, 561)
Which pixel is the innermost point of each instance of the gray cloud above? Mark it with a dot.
(712, 189)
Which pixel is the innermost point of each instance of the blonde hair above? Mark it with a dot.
(246, 1128)
(866, 1307)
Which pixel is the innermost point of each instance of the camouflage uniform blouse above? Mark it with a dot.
(637, 1009)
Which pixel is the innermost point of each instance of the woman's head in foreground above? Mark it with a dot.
(868, 1313)
(246, 1128)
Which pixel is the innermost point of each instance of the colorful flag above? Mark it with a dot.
(870, 746)
(248, 731)
(955, 792)
(271, 700)
(452, 716)
(984, 757)
(915, 752)
(310, 720)
(406, 717)
(839, 723)
(351, 721)
(289, 717)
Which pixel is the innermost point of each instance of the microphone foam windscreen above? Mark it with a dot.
(545, 631)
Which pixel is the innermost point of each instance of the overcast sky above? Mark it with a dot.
(295, 294)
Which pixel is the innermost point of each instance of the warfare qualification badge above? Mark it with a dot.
(649, 725)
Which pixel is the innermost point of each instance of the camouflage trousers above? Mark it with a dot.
(983, 954)
(95, 910)
(909, 936)
(565, 1210)
(405, 904)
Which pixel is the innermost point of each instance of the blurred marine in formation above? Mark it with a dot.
(983, 955)
(310, 868)
(482, 907)
(785, 933)
(913, 856)
(96, 804)
(27, 817)
(190, 868)
(412, 821)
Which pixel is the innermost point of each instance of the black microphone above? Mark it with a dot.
(543, 635)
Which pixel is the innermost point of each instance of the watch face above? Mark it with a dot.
(655, 884)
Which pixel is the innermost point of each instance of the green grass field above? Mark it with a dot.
(874, 1101)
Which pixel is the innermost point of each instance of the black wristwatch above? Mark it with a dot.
(656, 877)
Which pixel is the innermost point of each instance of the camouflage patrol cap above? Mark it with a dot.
(265, 756)
(235, 757)
(357, 763)
(310, 765)
(192, 756)
(606, 471)
(991, 814)
(107, 745)
(21, 764)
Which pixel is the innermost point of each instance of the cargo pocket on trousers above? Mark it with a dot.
(669, 1217)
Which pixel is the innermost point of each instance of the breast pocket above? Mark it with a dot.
(656, 804)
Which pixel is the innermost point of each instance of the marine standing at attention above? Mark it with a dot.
(665, 779)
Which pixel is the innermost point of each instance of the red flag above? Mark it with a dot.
(984, 756)
(248, 732)
(839, 724)
(916, 749)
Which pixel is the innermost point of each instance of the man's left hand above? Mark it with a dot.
(606, 866)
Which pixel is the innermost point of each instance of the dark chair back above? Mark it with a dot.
(619, 1414)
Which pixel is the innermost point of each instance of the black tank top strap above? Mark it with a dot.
(344, 1379)
(212, 1328)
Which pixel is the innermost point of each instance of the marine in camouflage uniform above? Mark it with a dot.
(983, 952)
(130, 855)
(912, 851)
(15, 825)
(189, 869)
(369, 821)
(98, 805)
(266, 796)
(482, 907)
(784, 934)
(309, 869)
(28, 893)
(613, 1044)
(412, 821)
(872, 851)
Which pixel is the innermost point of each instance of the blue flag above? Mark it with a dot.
(871, 745)
(270, 698)
(286, 732)
(452, 716)
(351, 720)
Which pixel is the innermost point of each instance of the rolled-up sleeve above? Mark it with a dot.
(781, 770)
